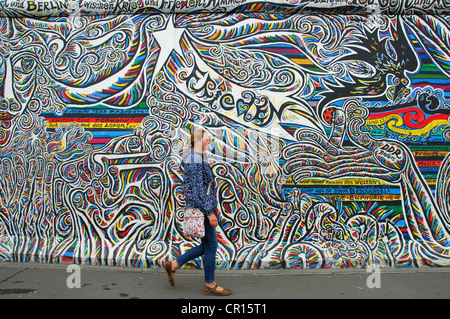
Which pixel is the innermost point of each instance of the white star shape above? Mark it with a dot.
(168, 40)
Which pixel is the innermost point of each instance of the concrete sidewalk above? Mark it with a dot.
(44, 281)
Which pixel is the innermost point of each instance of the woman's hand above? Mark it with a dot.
(213, 220)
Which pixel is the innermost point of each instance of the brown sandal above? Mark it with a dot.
(169, 272)
(214, 292)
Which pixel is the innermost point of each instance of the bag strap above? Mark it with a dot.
(208, 190)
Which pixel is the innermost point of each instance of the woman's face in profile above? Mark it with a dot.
(206, 140)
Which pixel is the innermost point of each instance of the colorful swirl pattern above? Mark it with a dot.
(331, 133)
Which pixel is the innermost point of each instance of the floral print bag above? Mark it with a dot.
(194, 221)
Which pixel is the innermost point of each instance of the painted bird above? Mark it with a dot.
(387, 62)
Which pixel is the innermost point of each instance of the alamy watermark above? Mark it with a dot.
(252, 146)
(374, 279)
(74, 279)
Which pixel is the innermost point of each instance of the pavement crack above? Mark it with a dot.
(13, 275)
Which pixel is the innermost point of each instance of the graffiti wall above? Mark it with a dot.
(330, 122)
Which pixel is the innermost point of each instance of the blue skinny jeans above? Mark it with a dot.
(207, 248)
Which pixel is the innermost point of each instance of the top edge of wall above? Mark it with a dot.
(58, 8)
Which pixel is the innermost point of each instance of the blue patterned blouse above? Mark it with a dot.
(196, 178)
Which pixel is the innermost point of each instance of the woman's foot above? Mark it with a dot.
(213, 289)
(171, 267)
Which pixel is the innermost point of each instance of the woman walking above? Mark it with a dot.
(197, 176)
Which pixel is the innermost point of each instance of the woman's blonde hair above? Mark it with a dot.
(197, 135)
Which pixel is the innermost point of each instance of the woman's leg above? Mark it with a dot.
(209, 263)
(210, 248)
(192, 253)
(172, 266)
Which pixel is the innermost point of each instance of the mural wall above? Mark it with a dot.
(330, 122)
